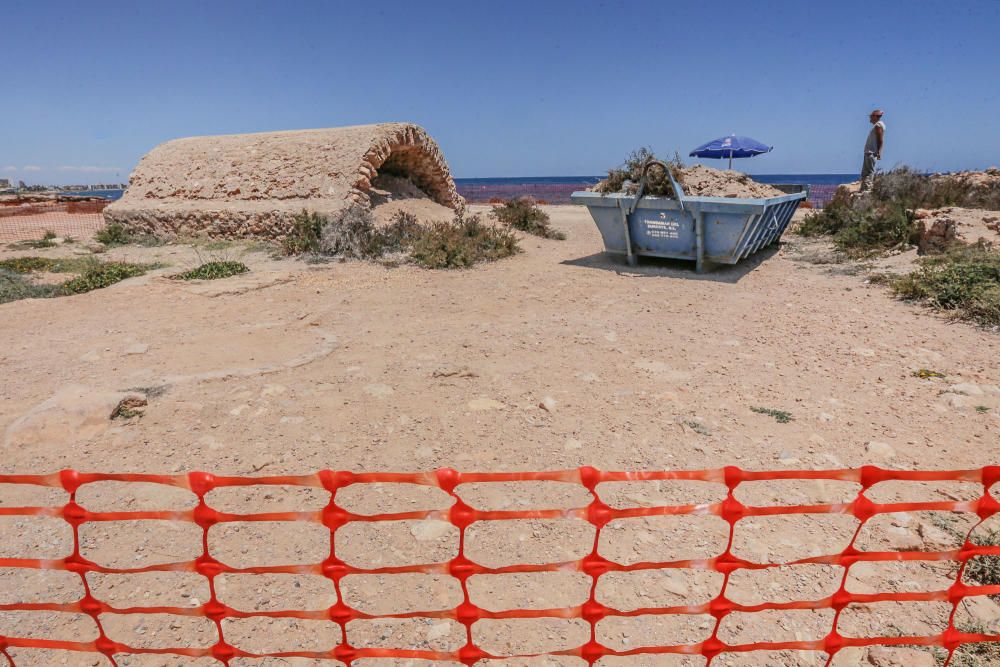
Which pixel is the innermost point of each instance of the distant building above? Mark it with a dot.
(5, 184)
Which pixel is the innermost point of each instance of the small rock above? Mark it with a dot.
(261, 462)
(429, 529)
(661, 370)
(438, 630)
(71, 416)
(956, 401)
(938, 237)
(825, 417)
(572, 444)
(548, 404)
(787, 459)
(894, 656)
(982, 609)
(137, 348)
(460, 371)
(881, 450)
(967, 388)
(935, 539)
(675, 585)
(481, 404)
(378, 390)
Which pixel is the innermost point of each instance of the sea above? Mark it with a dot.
(557, 189)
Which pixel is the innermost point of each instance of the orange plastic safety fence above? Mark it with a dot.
(462, 515)
(29, 222)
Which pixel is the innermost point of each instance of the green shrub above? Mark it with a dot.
(116, 234)
(658, 183)
(984, 570)
(92, 275)
(26, 264)
(112, 234)
(456, 244)
(523, 214)
(47, 241)
(101, 275)
(977, 654)
(461, 243)
(305, 233)
(14, 286)
(981, 571)
(863, 225)
(50, 265)
(352, 234)
(213, 270)
(860, 226)
(914, 189)
(780, 416)
(965, 280)
(874, 231)
(399, 234)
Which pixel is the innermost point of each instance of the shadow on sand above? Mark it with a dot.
(655, 267)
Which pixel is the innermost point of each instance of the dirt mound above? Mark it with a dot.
(969, 225)
(391, 194)
(969, 189)
(988, 179)
(702, 181)
(974, 189)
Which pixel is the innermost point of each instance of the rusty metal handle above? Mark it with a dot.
(678, 193)
(645, 172)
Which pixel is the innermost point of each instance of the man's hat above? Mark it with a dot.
(877, 112)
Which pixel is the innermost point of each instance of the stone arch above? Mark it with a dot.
(253, 185)
(410, 152)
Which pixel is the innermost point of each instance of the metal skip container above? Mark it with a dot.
(720, 230)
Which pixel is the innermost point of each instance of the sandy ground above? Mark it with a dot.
(559, 357)
(392, 194)
(427, 369)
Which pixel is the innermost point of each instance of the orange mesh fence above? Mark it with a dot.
(598, 515)
(31, 221)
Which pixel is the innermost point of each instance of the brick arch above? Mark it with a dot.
(410, 152)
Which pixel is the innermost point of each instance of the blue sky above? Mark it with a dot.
(507, 88)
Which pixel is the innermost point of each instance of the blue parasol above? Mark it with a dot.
(730, 147)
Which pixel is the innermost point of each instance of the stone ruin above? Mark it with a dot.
(252, 185)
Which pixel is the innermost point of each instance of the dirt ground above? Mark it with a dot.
(408, 369)
(557, 358)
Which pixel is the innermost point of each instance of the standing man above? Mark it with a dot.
(873, 149)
